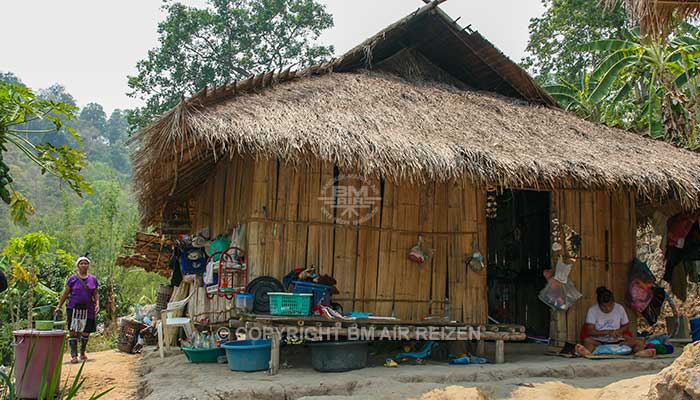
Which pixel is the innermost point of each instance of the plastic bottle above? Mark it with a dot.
(195, 339)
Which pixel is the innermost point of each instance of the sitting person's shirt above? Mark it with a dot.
(607, 322)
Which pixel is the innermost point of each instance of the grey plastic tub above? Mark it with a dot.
(338, 356)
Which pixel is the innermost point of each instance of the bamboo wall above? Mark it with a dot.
(285, 228)
(607, 225)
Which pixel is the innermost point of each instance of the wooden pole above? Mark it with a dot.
(500, 349)
(275, 353)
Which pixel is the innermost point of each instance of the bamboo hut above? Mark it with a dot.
(426, 116)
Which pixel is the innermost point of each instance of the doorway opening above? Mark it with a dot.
(518, 237)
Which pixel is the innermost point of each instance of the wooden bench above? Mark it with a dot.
(380, 329)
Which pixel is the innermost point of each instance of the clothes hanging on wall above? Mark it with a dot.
(174, 264)
(640, 286)
(683, 244)
(679, 282)
(653, 310)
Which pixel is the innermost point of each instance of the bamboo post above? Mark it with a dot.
(275, 353)
(500, 347)
(480, 348)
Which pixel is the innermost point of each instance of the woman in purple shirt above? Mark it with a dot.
(83, 305)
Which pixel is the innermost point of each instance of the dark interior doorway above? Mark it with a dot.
(518, 252)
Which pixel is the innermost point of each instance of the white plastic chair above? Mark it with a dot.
(167, 320)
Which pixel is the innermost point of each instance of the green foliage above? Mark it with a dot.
(100, 222)
(19, 107)
(656, 78)
(31, 245)
(605, 71)
(227, 40)
(553, 51)
(25, 255)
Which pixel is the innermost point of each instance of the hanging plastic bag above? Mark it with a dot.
(418, 253)
(212, 266)
(562, 271)
(560, 295)
(218, 246)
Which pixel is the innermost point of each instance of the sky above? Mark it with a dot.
(90, 46)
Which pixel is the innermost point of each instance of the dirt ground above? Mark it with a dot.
(629, 389)
(104, 370)
(522, 376)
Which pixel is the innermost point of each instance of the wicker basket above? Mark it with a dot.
(163, 297)
(128, 334)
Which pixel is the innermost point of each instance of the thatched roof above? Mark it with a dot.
(407, 117)
(658, 16)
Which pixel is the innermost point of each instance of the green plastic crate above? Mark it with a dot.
(198, 356)
(290, 303)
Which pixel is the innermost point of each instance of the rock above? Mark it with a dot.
(455, 393)
(680, 380)
(150, 310)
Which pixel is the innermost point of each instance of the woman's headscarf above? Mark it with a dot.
(81, 259)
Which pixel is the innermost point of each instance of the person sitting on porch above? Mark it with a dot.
(607, 323)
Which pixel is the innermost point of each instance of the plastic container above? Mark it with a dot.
(244, 302)
(198, 356)
(248, 355)
(338, 356)
(296, 304)
(695, 328)
(321, 293)
(45, 349)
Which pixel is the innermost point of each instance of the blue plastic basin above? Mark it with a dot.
(248, 355)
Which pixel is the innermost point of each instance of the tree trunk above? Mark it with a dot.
(112, 303)
(30, 298)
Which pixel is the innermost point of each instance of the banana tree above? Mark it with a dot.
(660, 75)
(578, 99)
(575, 97)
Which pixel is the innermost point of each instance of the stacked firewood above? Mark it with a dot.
(150, 251)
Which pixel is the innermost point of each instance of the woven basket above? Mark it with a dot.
(163, 297)
(128, 334)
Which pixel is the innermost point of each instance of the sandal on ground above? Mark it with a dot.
(74, 360)
(83, 357)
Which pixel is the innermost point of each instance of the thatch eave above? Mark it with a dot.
(378, 129)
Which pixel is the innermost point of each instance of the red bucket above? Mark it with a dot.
(45, 350)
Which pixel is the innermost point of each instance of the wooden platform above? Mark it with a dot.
(373, 329)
